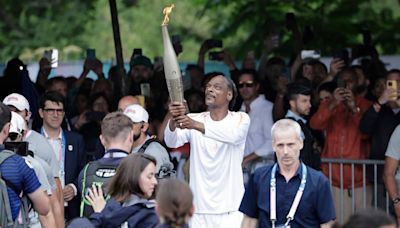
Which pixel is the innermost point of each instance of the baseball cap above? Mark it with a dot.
(141, 60)
(17, 124)
(136, 113)
(17, 100)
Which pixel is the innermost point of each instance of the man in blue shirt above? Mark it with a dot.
(269, 199)
(19, 173)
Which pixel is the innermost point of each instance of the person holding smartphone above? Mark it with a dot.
(379, 122)
(340, 118)
(42, 170)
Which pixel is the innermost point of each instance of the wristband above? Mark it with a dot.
(396, 200)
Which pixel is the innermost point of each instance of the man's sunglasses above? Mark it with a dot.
(247, 84)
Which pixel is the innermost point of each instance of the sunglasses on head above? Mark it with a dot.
(246, 84)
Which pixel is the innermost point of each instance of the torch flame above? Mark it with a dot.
(166, 11)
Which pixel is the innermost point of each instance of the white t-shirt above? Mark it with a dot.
(393, 150)
(259, 139)
(215, 160)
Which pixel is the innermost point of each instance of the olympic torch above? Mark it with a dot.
(171, 67)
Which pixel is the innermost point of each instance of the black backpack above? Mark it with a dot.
(94, 173)
(99, 173)
(6, 220)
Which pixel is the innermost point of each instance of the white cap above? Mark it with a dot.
(136, 113)
(18, 101)
(17, 123)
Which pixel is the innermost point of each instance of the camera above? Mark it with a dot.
(20, 148)
(95, 116)
(216, 55)
(214, 43)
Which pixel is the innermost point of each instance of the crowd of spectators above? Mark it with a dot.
(346, 110)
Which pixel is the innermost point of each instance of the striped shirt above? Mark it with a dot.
(18, 172)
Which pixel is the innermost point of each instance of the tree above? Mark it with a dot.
(335, 24)
(27, 25)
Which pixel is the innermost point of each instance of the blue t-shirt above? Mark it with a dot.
(20, 173)
(316, 205)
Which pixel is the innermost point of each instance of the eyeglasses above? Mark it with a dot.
(247, 84)
(53, 110)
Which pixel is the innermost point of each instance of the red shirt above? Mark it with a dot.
(343, 139)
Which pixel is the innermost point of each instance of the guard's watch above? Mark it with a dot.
(396, 200)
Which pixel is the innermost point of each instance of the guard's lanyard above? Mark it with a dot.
(297, 198)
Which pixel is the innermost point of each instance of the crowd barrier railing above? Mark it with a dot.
(371, 179)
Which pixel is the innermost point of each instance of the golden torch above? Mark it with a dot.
(171, 66)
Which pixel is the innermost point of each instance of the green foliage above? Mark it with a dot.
(140, 27)
(336, 23)
(30, 26)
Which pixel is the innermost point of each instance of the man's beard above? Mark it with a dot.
(136, 137)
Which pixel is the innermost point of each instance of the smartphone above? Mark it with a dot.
(142, 100)
(137, 52)
(308, 34)
(90, 53)
(214, 43)
(290, 20)
(145, 89)
(310, 54)
(276, 37)
(52, 56)
(216, 56)
(341, 83)
(20, 148)
(366, 34)
(392, 84)
(344, 55)
(176, 39)
(95, 116)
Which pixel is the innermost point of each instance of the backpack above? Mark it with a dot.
(163, 159)
(99, 173)
(94, 173)
(6, 220)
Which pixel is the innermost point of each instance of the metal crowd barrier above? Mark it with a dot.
(374, 164)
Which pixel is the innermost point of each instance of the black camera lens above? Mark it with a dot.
(13, 136)
(390, 83)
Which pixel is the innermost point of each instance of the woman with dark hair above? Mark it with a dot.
(130, 190)
(174, 204)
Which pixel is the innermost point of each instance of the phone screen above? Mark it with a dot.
(145, 89)
(52, 56)
(341, 83)
(90, 53)
(392, 84)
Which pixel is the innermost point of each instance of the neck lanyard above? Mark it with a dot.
(62, 150)
(297, 198)
(115, 153)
